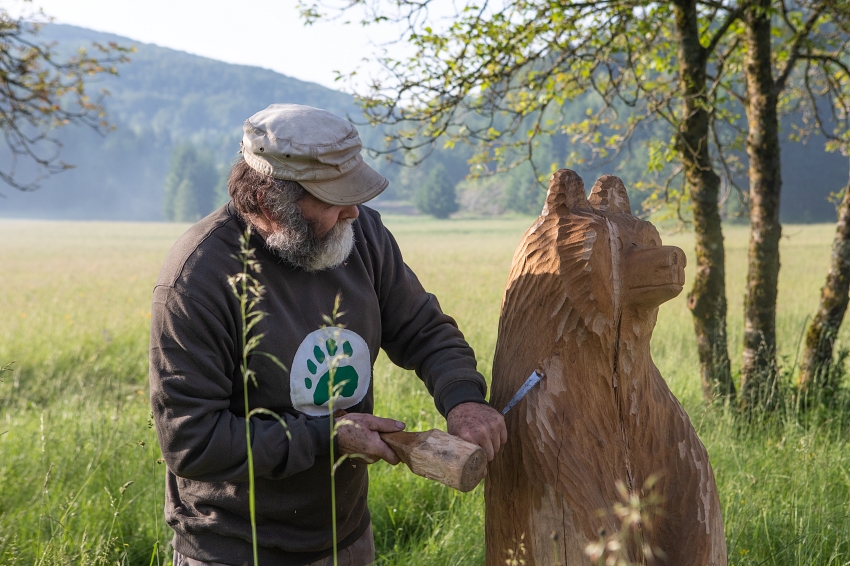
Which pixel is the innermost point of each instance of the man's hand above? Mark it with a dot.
(479, 424)
(357, 433)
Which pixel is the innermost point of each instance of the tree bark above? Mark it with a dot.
(758, 373)
(823, 330)
(707, 299)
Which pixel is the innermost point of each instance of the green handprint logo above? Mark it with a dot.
(311, 370)
(345, 375)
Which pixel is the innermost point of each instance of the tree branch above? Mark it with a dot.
(800, 37)
(731, 18)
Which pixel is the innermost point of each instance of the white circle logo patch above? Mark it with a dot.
(310, 375)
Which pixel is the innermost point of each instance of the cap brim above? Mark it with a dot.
(355, 187)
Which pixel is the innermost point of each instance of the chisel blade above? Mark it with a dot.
(532, 380)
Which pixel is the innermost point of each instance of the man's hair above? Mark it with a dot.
(247, 187)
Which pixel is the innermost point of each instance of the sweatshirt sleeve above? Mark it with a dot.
(191, 363)
(417, 335)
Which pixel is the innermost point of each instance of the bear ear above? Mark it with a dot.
(566, 187)
(609, 195)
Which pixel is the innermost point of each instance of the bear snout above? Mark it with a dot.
(654, 275)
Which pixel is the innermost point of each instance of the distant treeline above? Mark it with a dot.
(178, 122)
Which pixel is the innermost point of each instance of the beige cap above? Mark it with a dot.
(313, 147)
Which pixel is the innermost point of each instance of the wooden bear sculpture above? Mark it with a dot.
(580, 305)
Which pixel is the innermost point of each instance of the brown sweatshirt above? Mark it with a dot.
(196, 386)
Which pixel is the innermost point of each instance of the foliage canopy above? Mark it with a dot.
(498, 75)
(41, 91)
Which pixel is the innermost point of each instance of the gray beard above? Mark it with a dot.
(297, 244)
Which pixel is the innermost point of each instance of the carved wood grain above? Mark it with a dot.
(580, 304)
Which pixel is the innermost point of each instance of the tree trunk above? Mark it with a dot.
(758, 373)
(707, 299)
(822, 332)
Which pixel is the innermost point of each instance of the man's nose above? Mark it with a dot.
(351, 211)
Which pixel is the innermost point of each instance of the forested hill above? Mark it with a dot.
(164, 98)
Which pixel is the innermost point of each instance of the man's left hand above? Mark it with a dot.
(479, 424)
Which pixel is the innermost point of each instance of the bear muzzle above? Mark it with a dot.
(654, 275)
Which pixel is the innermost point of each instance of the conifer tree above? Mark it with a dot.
(191, 186)
(436, 196)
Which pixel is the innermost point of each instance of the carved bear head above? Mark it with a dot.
(587, 266)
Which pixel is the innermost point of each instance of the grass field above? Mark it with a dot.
(74, 414)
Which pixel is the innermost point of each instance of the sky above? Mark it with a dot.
(262, 33)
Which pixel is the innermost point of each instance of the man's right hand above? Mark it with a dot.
(357, 433)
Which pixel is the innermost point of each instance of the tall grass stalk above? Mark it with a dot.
(333, 424)
(249, 292)
(332, 332)
(636, 516)
(7, 367)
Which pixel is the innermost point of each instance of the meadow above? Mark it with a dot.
(81, 481)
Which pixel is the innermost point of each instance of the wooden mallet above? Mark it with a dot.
(440, 456)
(445, 458)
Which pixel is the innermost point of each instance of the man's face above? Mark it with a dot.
(323, 216)
(311, 234)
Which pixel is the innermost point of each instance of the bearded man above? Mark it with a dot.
(300, 186)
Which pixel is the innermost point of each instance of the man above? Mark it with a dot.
(299, 187)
